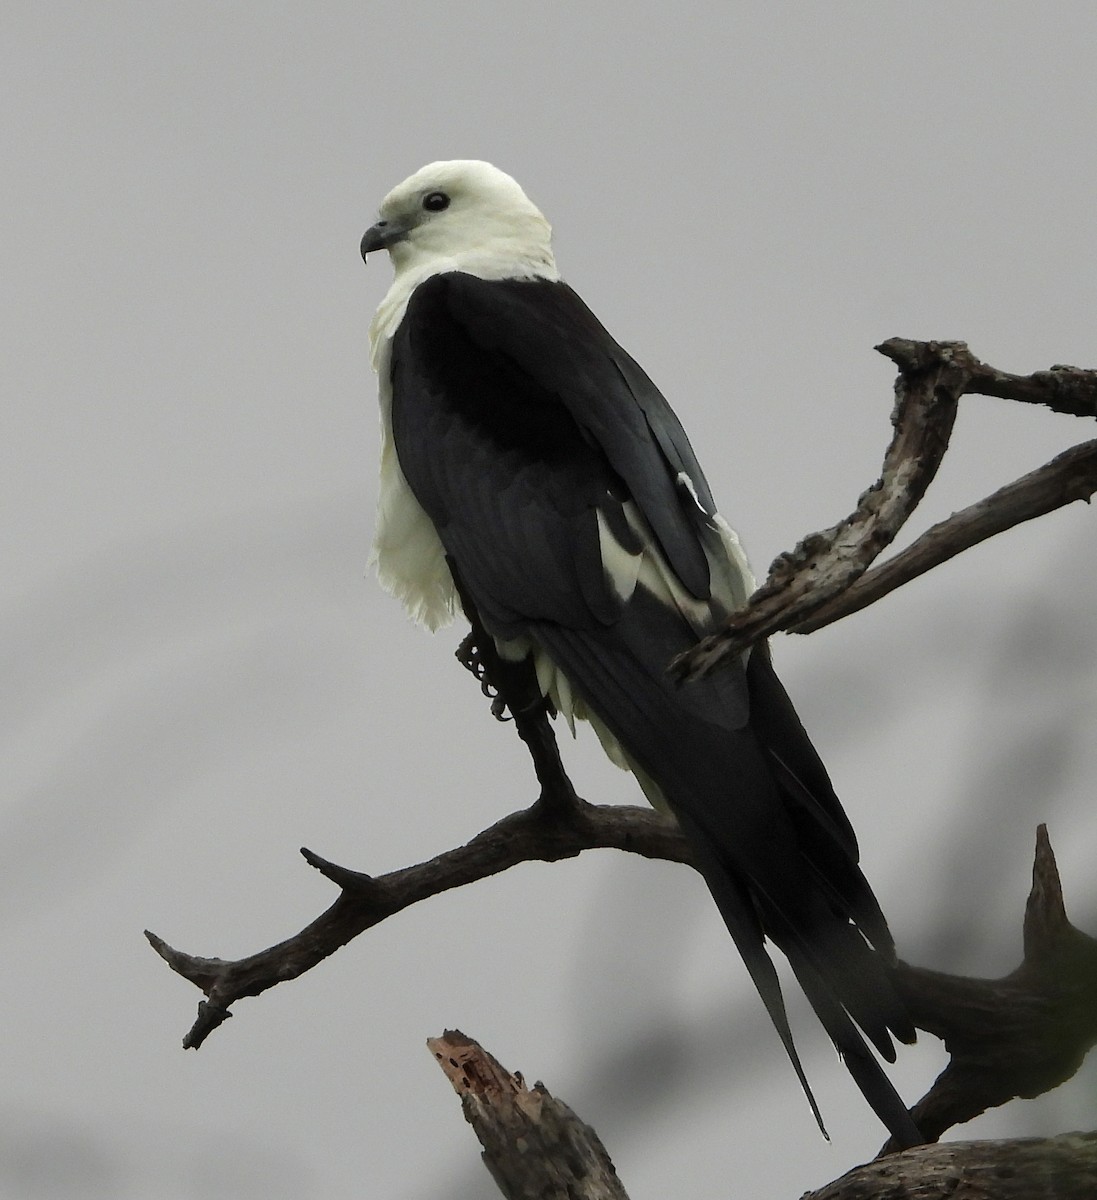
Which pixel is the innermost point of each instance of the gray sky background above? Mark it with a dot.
(197, 676)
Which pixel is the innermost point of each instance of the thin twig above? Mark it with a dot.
(534, 834)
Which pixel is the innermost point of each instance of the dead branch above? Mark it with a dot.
(1069, 476)
(1018, 1036)
(545, 832)
(823, 578)
(1059, 1168)
(534, 1145)
(1061, 388)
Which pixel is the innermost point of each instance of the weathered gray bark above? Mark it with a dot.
(535, 1147)
(1015, 1037)
(1058, 1168)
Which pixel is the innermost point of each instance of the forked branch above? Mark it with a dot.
(1019, 1036)
(545, 832)
(825, 579)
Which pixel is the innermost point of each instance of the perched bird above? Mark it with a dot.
(521, 444)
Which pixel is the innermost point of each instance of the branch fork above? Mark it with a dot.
(827, 576)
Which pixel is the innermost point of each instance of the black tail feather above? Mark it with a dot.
(867, 1073)
(742, 922)
(768, 833)
(841, 975)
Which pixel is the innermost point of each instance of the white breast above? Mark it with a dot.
(407, 554)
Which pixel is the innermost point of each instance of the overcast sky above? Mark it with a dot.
(198, 676)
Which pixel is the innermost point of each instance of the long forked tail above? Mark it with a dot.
(730, 758)
(842, 977)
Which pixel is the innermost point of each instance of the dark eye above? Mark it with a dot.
(435, 201)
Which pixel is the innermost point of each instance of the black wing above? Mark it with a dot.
(518, 422)
(528, 371)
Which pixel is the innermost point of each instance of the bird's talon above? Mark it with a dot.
(468, 656)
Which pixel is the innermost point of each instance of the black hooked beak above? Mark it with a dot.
(382, 235)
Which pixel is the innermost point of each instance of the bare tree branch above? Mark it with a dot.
(539, 833)
(824, 564)
(558, 825)
(1061, 388)
(821, 579)
(1070, 476)
(1018, 1036)
(1058, 1168)
(534, 1145)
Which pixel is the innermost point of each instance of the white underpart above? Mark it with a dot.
(407, 552)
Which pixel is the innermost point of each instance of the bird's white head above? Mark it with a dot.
(462, 215)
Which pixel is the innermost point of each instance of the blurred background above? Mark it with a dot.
(198, 676)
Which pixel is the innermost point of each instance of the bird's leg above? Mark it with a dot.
(513, 686)
(509, 685)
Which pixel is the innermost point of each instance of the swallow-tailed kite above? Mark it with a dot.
(522, 444)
